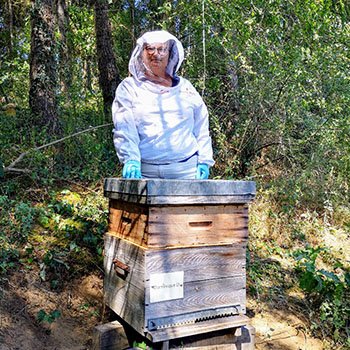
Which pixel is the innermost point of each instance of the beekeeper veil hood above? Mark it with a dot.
(138, 67)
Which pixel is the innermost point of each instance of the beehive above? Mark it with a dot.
(175, 253)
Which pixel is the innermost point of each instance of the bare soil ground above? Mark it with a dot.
(24, 294)
(81, 305)
(279, 329)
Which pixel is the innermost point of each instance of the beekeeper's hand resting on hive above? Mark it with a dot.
(160, 121)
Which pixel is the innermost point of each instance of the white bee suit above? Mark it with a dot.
(155, 124)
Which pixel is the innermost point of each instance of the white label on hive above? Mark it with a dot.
(166, 286)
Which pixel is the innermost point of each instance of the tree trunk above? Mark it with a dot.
(132, 20)
(43, 67)
(65, 66)
(87, 74)
(10, 9)
(107, 65)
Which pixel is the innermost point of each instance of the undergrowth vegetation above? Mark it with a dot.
(44, 222)
(51, 226)
(54, 217)
(302, 256)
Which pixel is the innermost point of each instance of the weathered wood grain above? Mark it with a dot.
(127, 253)
(213, 277)
(197, 225)
(199, 263)
(109, 336)
(127, 301)
(129, 221)
(178, 226)
(159, 191)
(201, 295)
(125, 295)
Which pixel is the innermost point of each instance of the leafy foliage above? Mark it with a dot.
(327, 291)
(67, 230)
(48, 317)
(16, 219)
(285, 261)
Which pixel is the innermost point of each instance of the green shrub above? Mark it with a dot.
(328, 292)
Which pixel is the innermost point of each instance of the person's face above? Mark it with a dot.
(156, 57)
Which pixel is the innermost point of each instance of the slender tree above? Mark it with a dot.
(65, 66)
(10, 10)
(43, 67)
(108, 72)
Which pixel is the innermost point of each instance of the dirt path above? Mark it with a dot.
(80, 304)
(282, 331)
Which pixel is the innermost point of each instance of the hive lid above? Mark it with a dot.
(161, 192)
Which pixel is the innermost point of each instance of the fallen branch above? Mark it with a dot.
(17, 170)
(76, 184)
(11, 167)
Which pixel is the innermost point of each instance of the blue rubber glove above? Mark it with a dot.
(132, 170)
(202, 171)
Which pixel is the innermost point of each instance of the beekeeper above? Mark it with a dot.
(160, 121)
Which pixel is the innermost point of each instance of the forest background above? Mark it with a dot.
(275, 76)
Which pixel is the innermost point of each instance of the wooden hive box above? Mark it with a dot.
(175, 254)
(179, 213)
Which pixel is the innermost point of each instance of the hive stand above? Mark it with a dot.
(175, 257)
(115, 336)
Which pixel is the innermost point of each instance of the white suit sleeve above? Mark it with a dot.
(201, 132)
(125, 135)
